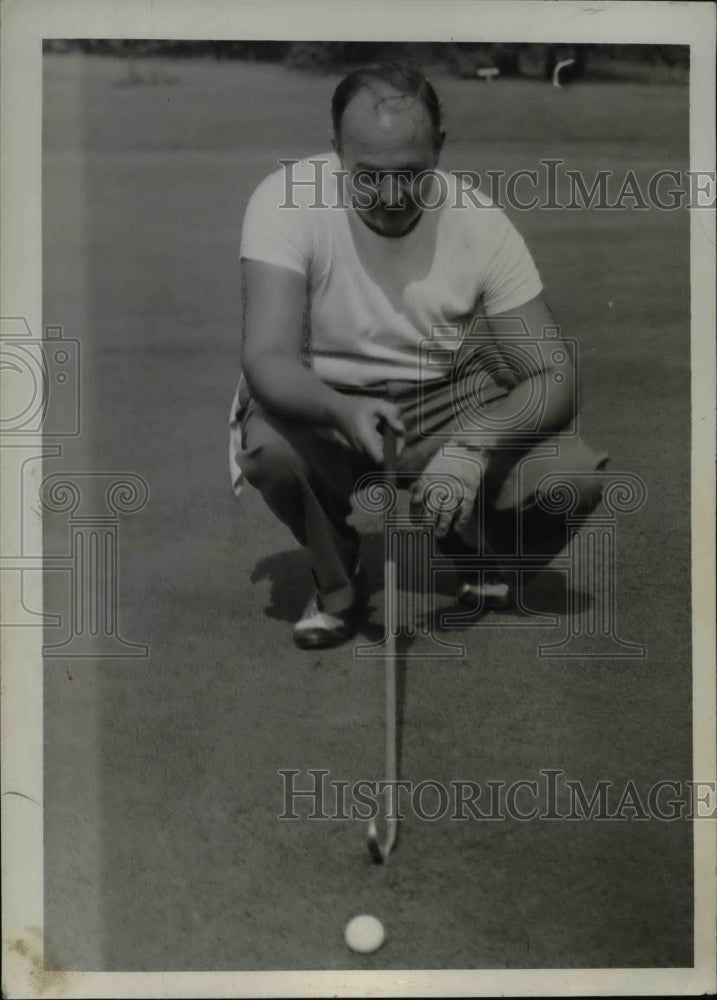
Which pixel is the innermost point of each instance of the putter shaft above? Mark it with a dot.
(380, 851)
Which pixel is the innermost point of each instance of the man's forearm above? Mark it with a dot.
(284, 386)
(536, 408)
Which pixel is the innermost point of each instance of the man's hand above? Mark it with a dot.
(461, 472)
(359, 420)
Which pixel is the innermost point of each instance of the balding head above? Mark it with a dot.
(394, 87)
(379, 120)
(387, 133)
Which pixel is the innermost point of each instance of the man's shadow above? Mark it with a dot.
(291, 585)
(290, 581)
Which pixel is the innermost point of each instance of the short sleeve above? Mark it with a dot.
(274, 232)
(511, 277)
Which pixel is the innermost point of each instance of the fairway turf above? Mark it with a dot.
(162, 844)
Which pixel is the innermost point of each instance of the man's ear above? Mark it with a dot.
(336, 145)
(439, 143)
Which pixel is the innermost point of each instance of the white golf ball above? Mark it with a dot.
(364, 934)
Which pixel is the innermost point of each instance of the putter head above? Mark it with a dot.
(374, 848)
(378, 851)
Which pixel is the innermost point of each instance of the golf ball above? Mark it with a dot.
(364, 934)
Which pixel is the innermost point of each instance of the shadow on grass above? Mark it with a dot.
(289, 575)
(291, 584)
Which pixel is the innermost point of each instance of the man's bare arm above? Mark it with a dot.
(274, 304)
(542, 371)
(528, 365)
(275, 300)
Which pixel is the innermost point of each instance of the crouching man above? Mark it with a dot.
(378, 292)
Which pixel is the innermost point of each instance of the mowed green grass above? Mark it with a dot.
(144, 191)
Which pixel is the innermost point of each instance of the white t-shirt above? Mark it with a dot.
(373, 300)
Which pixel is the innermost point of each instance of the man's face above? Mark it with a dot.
(386, 142)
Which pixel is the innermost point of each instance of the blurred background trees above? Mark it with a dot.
(463, 59)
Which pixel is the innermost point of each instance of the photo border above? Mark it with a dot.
(24, 24)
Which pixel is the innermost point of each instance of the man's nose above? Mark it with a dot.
(392, 192)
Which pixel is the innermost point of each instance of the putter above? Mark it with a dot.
(380, 850)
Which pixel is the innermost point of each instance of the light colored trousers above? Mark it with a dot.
(307, 479)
